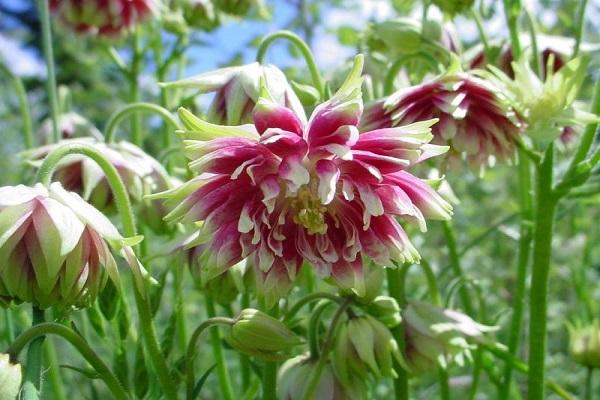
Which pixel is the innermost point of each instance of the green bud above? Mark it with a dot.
(201, 14)
(234, 7)
(453, 7)
(386, 310)
(584, 344)
(260, 335)
(401, 35)
(10, 378)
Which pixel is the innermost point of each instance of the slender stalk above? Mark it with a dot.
(525, 237)
(542, 251)
(589, 384)
(9, 329)
(537, 63)
(313, 328)
(227, 392)
(19, 88)
(54, 371)
(191, 350)
(269, 378)
(132, 109)
(309, 299)
(244, 359)
(302, 47)
(44, 12)
(401, 385)
(580, 27)
(482, 34)
(456, 267)
(396, 66)
(444, 386)
(511, 13)
(134, 86)
(127, 218)
(32, 386)
(40, 330)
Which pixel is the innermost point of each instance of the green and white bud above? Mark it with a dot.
(262, 336)
(10, 378)
(386, 310)
(201, 14)
(584, 344)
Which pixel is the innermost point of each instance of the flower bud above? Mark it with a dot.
(584, 344)
(363, 345)
(234, 7)
(260, 335)
(10, 378)
(402, 35)
(386, 310)
(54, 247)
(295, 372)
(453, 7)
(70, 125)
(201, 14)
(436, 336)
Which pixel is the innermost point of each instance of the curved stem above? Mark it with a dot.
(302, 47)
(580, 27)
(32, 382)
(313, 329)
(125, 211)
(390, 77)
(455, 265)
(309, 299)
(396, 290)
(523, 261)
(191, 350)
(316, 374)
(45, 21)
(118, 116)
(21, 93)
(227, 392)
(542, 251)
(79, 343)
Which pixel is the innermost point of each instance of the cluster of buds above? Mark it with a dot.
(473, 119)
(262, 336)
(102, 17)
(10, 378)
(295, 372)
(584, 344)
(435, 336)
(55, 247)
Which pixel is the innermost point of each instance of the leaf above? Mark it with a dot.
(200, 383)
(96, 320)
(140, 372)
(109, 300)
(348, 36)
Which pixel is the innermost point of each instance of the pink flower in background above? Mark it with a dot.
(284, 192)
(472, 119)
(102, 17)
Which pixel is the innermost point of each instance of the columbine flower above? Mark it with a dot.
(237, 91)
(584, 344)
(141, 174)
(295, 372)
(364, 345)
(10, 378)
(70, 125)
(53, 247)
(102, 17)
(436, 336)
(545, 106)
(262, 336)
(474, 122)
(285, 192)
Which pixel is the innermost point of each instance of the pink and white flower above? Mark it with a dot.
(473, 120)
(282, 192)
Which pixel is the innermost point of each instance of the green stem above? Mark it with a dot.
(589, 383)
(302, 47)
(396, 290)
(444, 385)
(542, 251)
(54, 371)
(309, 299)
(9, 325)
(269, 378)
(394, 69)
(127, 218)
(432, 286)
(313, 380)
(245, 371)
(19, 88)
(134, 87)
(118, 116)
(191, 350)
(511, 14)
(32, 382)
(580, 27)
(482, 35)
(40, 330)
(313, 328)
(227, 392)
(45, 21)
(455, 265)
(523, 261)
(537, 64)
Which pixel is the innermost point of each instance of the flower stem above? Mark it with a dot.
(580, 27)
(54, 371)
(523, 261)
(134, 86)
(191, 350)
(444, 386)
(302, 47)
(38, 331)
(118, 116)
(482, 34)
(44, 12)
(542, 250)
(589, 383)
(32, 386)
(396, 290)
(511, 12)
(227, 392)
(245, 371)
(21, 93)
(269, 378)
(313, 328)
(455, 265)
(127, 218)
(396, 66)
(309, 299)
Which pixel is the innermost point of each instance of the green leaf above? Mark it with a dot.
(348, 36)
(200, 383)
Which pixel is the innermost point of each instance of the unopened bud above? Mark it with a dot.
(10, 378)
(386, 310)
(584, 344)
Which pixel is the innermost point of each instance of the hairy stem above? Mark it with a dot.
(134, 108)
(32, 382)
(227, 392)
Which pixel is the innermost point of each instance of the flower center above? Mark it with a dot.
(310, 212)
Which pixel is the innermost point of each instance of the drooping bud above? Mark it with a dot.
(386, 310)
(54, 247)
(262, 336)
(295, 372)
(584, 344)
(436, 336)
(364, 345)
(201, 14)
(70, 125)
(10, 378)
